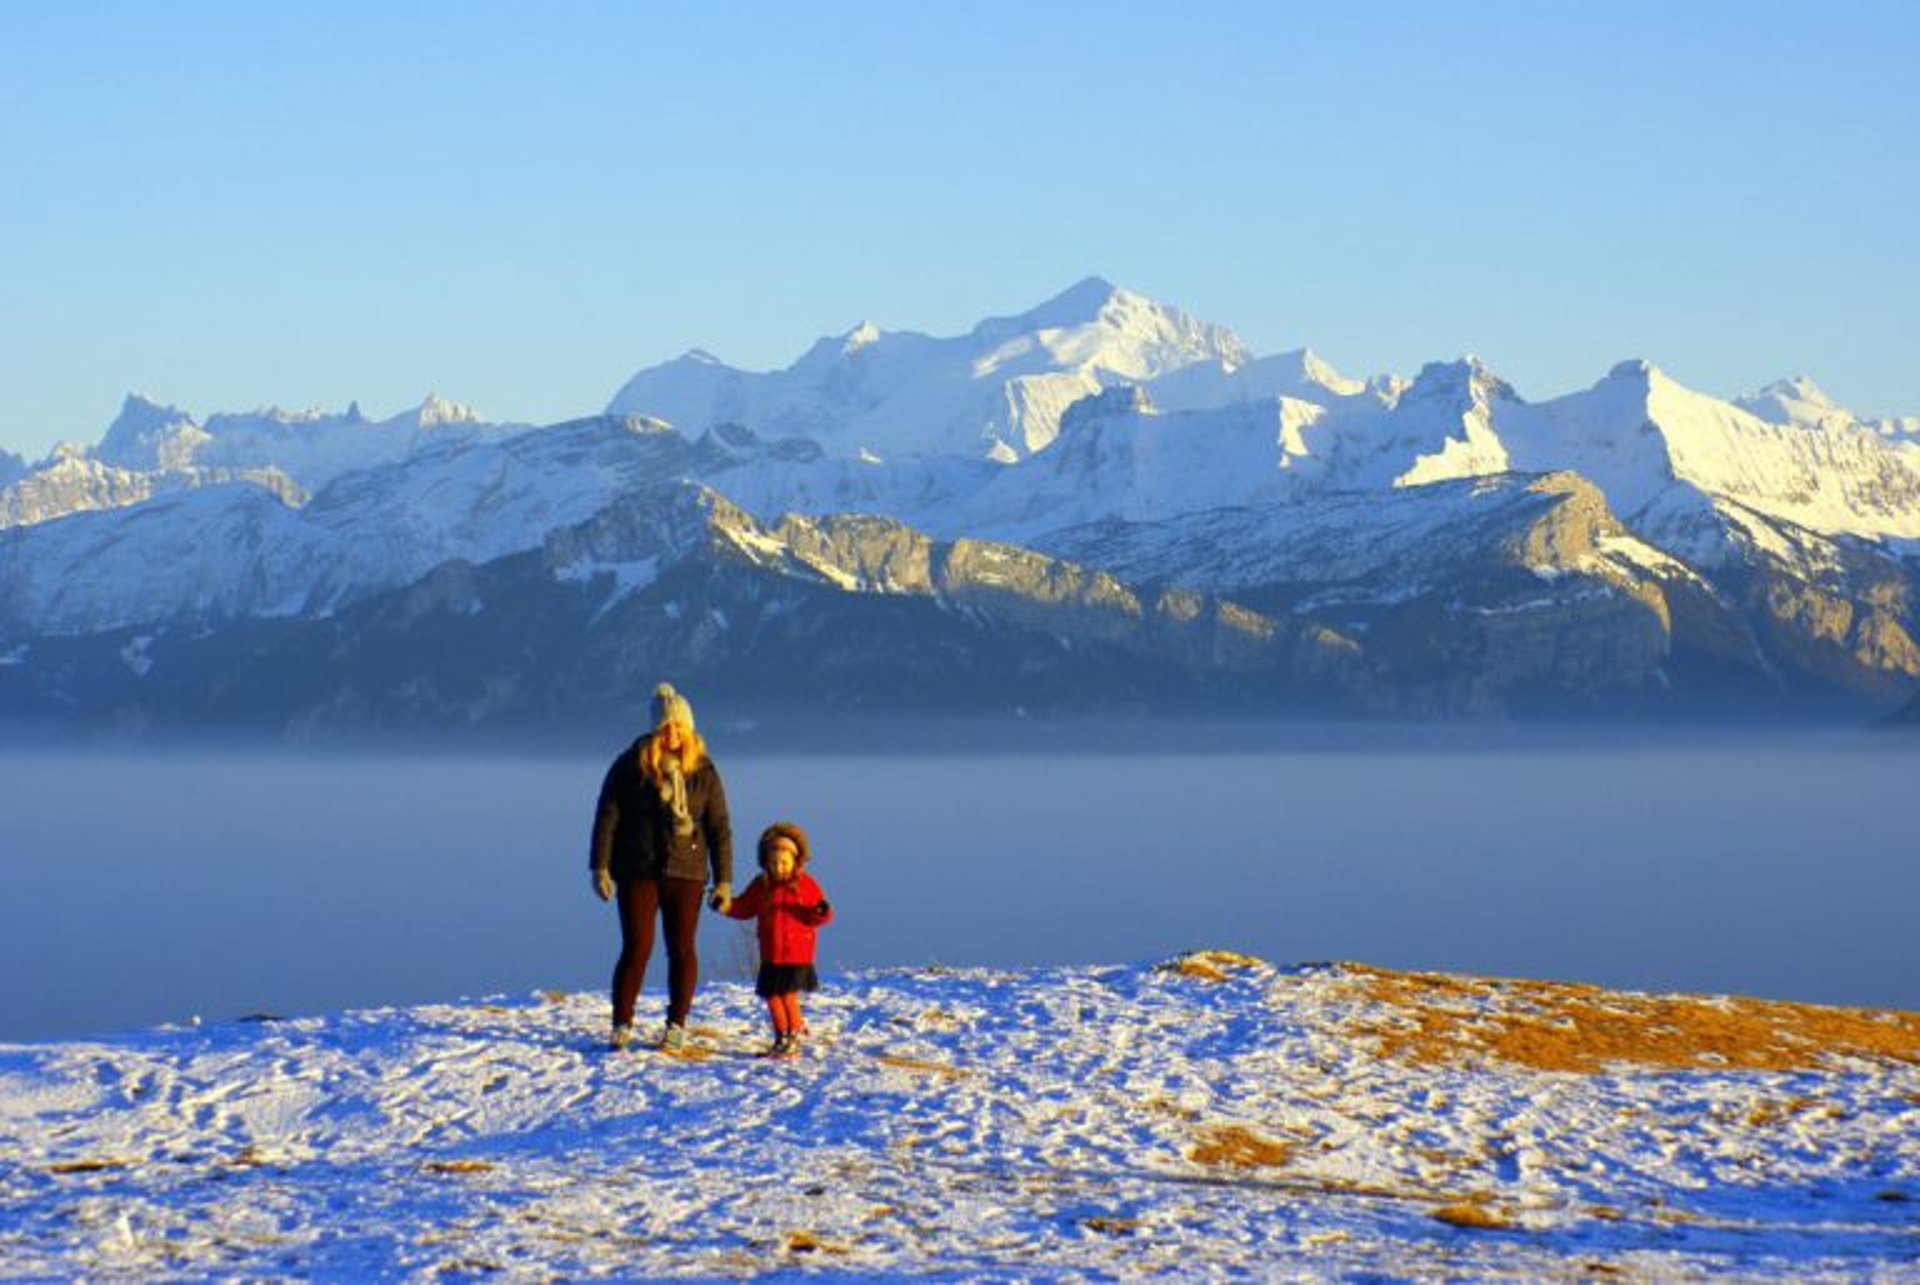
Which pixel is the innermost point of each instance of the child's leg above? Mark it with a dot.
(794, 1022)
(777, 1011)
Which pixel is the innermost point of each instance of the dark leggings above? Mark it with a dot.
(678, 903)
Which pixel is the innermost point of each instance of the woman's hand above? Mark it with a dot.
(722, 898)
(603, 883)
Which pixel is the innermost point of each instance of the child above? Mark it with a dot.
(789, 906)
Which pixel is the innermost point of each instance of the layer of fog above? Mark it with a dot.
(137, 889)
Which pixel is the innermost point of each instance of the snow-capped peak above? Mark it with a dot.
(1317, 371)
(437, 410)
(830, 351)
(1800, 388)
(140, 414)
(995, 392)
(1468, 378)
(1633, 368)
(1795, 401)
(1082, 303)
(144, 432)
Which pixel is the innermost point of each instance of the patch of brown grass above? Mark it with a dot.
(1111, 1226)
(1433, 1018)
(459, 1166)
(95, 1165)
(1473, 1214)
(805, 1242)
(1211, 965)
(1239, 1147)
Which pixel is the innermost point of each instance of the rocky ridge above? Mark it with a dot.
(1274, 535)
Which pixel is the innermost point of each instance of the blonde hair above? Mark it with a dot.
(693, 752)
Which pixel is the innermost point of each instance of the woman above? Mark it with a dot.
(661, 826)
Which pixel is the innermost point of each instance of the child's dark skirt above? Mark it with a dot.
(784, 979)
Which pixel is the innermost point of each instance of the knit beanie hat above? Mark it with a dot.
(670, 706)
(792, 834)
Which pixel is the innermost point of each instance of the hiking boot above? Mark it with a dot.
(622, 1036)
(674, 1038)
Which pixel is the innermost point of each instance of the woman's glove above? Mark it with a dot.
(603, 883)
(722, 898)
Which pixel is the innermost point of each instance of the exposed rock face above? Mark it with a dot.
(848, 613)
(73, 484)
(1858, 640)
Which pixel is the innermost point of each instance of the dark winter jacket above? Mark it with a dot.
(633, 831)
(789, 913)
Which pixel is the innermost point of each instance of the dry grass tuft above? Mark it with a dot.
(1473, 1214)
(459, 1166)
(1111, 1226)
(468, 1266)
(1775, 1111)
(91, 1166)
(1238, 1147)
(925, 1068)
(1212, 965)
(805, 1242)
(1437, 1019)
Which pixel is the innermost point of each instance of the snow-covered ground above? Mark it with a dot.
(1213, 1115)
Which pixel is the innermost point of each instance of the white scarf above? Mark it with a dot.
(673, 793)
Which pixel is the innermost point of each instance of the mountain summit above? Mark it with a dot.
(996, 392)
(1100, 500)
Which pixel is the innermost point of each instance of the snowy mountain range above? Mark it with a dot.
(1098, 503)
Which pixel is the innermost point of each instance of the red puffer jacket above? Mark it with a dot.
(789, 913)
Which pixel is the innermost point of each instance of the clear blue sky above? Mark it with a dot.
(228, 205)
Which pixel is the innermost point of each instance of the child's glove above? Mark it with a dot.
(603, 883)
(722, 898)
(821, 911)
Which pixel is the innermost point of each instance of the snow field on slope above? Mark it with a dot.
(1220, 1118)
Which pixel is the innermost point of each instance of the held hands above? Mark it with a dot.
(603, 884)
(721, 898)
